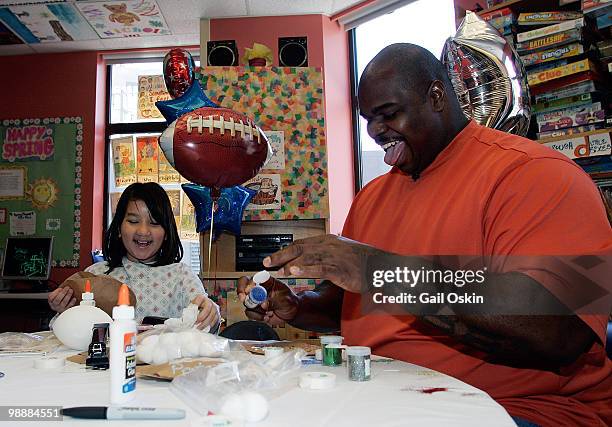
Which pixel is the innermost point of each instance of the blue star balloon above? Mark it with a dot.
(231, 204)
(193, 98)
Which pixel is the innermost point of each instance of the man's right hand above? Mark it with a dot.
(61, 299)
(281, 305)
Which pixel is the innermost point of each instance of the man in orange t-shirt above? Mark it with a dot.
(457, 188)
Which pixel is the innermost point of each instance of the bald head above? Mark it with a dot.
(410, 105)
(411, 66)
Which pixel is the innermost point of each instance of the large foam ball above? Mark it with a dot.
(74, 326)
(215, 147)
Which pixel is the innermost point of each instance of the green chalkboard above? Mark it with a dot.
(40, 182)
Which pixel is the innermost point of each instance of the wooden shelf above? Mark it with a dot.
(223, 254)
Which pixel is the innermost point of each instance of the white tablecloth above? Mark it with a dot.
(393, 397)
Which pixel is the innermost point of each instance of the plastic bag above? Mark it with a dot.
(162, 345)
(211, 388)
(26, 344)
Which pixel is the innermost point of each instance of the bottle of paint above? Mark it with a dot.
(331, 346)
(258, 294)
(358, 363)
(123, 349)
(87, 297)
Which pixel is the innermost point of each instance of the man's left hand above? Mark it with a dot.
(340, 260)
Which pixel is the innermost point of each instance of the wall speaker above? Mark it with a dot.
(222, 53)
(293, 52)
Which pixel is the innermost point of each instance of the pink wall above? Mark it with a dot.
(328, 49)
(266, 30)
(64, 85)
(338, 122)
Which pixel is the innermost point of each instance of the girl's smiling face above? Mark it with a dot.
(141, 235)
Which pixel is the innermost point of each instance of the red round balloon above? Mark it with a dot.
(215, 147)
(179, 71)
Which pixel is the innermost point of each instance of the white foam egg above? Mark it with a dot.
(159, 355)
(74, 326)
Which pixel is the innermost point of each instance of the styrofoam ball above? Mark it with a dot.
(74, 326)
(168, 338)
(233, 406)
(144, 353)
(256, 406)
(159, 355)
(173, 350)
(150, 340)
(189, 343)
(249, 406)
(207, 349)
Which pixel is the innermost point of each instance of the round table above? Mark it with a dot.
(398, 394)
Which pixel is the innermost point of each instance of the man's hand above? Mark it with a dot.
(61, 299)
(337, 259)
(208, 314)
(281, 305)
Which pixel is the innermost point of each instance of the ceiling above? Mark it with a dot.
(48, 26)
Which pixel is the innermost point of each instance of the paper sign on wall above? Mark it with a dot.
(276, 138)
(22, 223)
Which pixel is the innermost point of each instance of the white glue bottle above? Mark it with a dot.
(123, 349)
(87, 297)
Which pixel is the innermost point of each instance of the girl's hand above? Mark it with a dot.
(208, 312)
(61, 299)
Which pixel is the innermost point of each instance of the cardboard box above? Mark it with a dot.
(570, 117)
(560, 104)
(550, 41)
(547, 18)
(578, 88)
(592, 144)
(560, 52)
(540, 77)
(551, 29)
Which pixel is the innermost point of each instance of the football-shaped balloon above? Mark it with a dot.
(215, 147)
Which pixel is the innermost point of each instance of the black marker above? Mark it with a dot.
(124, 413)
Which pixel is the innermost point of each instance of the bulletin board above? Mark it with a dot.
(40, 192)
(288, 104)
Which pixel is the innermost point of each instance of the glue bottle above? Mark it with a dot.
(123, 349)
(87, 297)
(258, 294)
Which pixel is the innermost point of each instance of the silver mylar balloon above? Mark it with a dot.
(488, 76)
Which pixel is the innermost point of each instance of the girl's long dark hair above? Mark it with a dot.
(159, 206)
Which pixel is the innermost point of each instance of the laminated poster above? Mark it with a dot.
(124, 161)
(269, 191)
(147, 155)
(188, 221)
(167, 174)
(150, 90)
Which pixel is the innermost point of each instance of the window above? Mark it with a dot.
(132, 129)
(425, 23)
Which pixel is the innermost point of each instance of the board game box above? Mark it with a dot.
(570, 117)
(561, 52)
